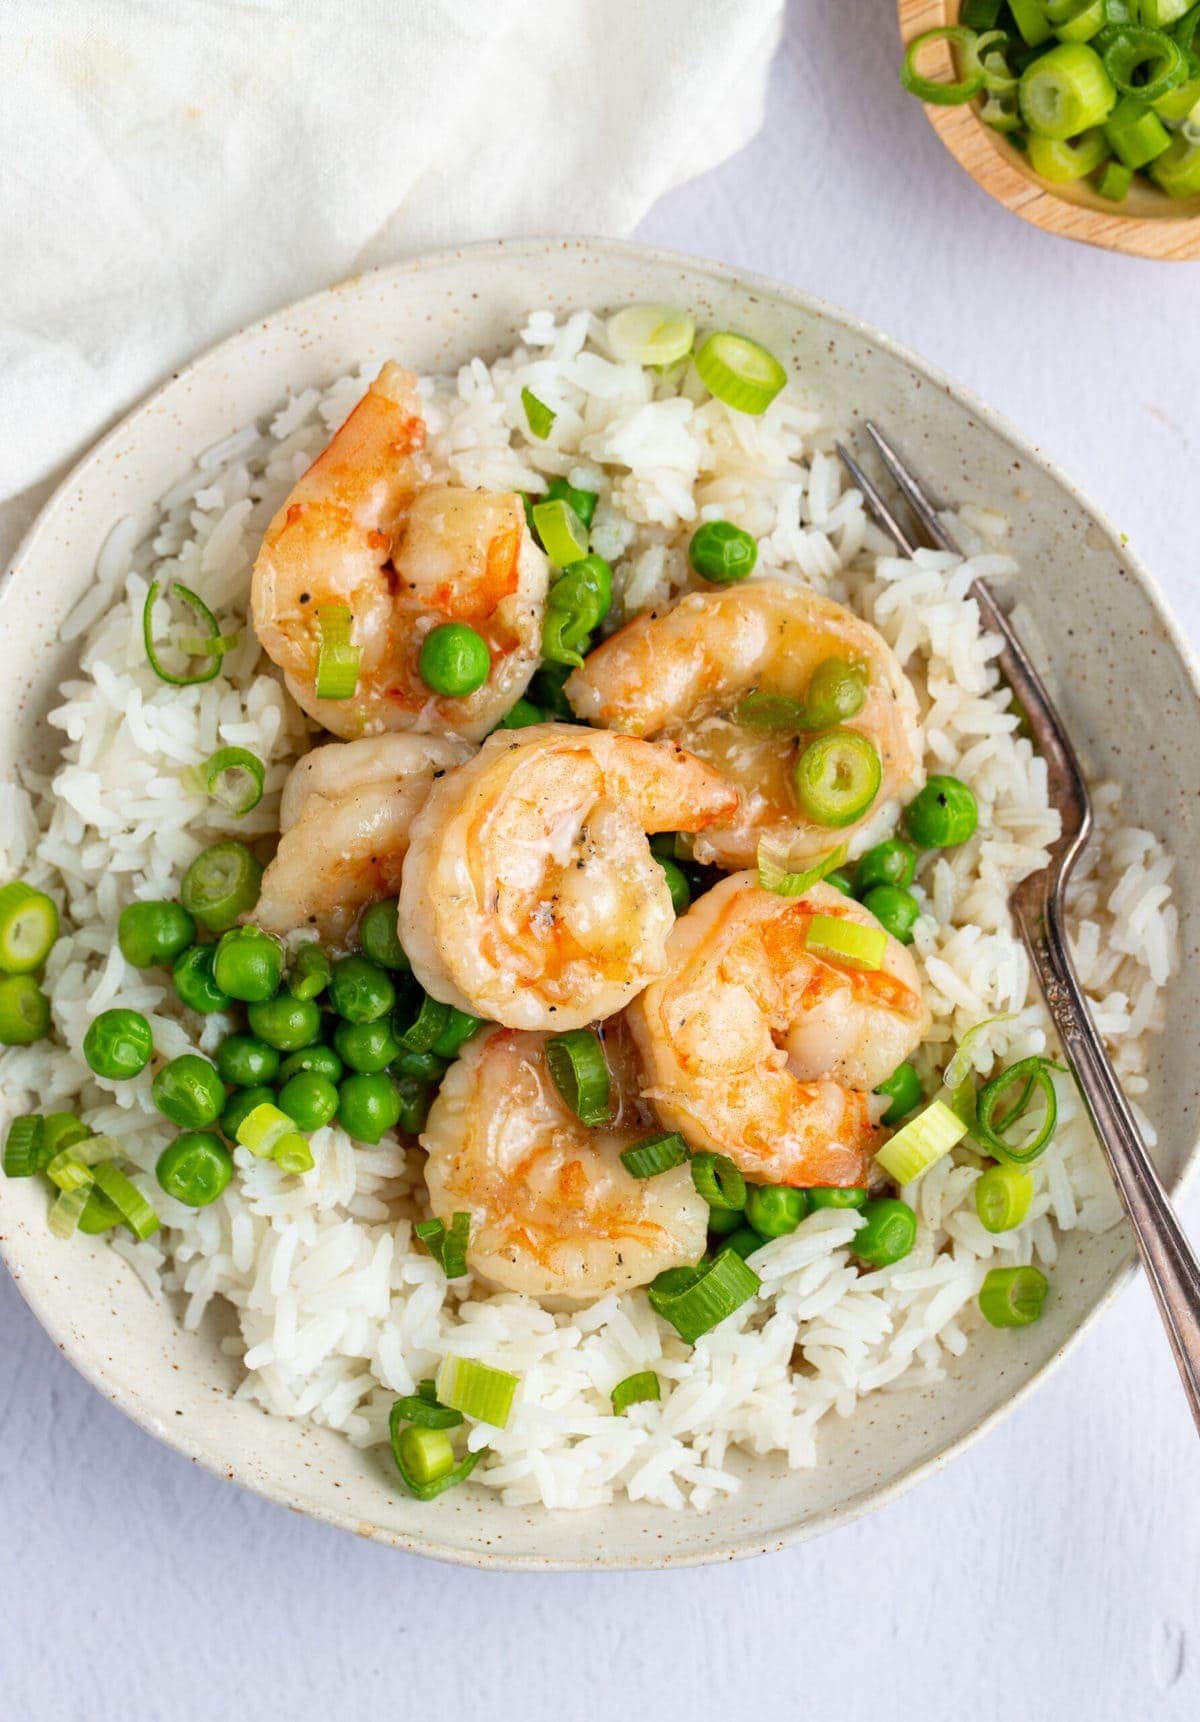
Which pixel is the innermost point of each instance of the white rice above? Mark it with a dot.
(337, 1311)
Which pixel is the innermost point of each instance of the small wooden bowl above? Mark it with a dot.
(1146, 224)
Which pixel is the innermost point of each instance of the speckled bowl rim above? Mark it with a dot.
(470, 256)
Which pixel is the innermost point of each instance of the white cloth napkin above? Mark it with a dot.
(172, 169)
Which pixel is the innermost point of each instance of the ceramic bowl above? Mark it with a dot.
(1130, 698)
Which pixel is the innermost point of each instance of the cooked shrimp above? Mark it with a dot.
(366, 529)
(755, 1047)
(682, 674)
(344, 818)
(553, 1211)
(530, 895)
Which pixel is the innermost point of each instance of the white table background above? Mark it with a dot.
(1051, 1572)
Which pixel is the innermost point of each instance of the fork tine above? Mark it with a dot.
(920, 503)
(875, 503)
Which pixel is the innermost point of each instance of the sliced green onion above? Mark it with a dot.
(210, 645)
(921, 1143)
(477, 1390)
(838, 777)
(402, 1453)
(1002, 1198)
(1115, 181)
(422, 1407)
(426, 1454)
(67, 1208)
(580, 1073)
(988, 53)
(650, 335)
(538, 416)
(310, 972)
(577, 602)
(773, 714)
(23, 1146)
(66, 1171)
(1061, 160)
(293, 1153)
(1076, 20)
(1144, 63)
(582, 501)
(740, 373)
(1030, 18)
(1066, 91)
(28, 928)
(1136, 133)
(24, 1011)
(960, 1066)
(1177, 170)
(1013, 1297)
(942, 93)
(654, 1155)
(636, 1389)
(428, 1026)
(1002, 113)
(564, 536)
(718, 1180)
(846, 942)
(993, 1119)
(263, 1128)
(126, 1198)
(1160, 13)
(773, 874)
(337, 659)
(695, 1300)
(448, 1248)
(232, 776)
(980, 14)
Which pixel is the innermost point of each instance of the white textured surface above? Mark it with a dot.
(1051, 1573)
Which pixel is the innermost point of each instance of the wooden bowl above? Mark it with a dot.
(1146, 224)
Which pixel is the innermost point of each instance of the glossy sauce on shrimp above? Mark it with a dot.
(366, 530)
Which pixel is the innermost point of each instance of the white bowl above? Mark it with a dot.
(1131, 700)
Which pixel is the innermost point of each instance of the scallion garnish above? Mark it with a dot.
(422, 1466)
(695, 1300)
(846, 942)
(718, 1180)
(577, 602)
(635, 1390)
(422, 1407)
(995, 1119)
(580, 1072)
(448, 1248)
(654, 1155)
(774, 874)
(921, 1142)
(23, 1146)
(563, 535)
(774, 714)
(939, 91)
(650, 335)
(66, 1171)
(126, 1198)
(1013, 1297)
(477, 1390)
(28, 928)
(67, 1208)
(233, 777)
(427, 1026)
(337, 659)
(538, 416)
(209, 646)
(740, 373)
(271, 1135)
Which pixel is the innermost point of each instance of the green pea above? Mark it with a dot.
(745, 1241)
(154, 934)
(118, 1044)
(368, 1105)
(240, 1105)
(309, 973)
(378, 935)
(582, 501)
(903, 1089)
(835, 1196)
(285, 1022)
(837, 691)
(360, 991)
(369, 1046)
(424, 1066)
(319, 1058)
(774, 1210)
(840, 882)
(248, 964)
(681, 891)
(221, 884)
(892, 862)
(722, 552)
(195, 1168)
(189, 1092)
(416, 1097)
(521, 716)
(889, 1233)
(245, 1062)
(943, 814)
(192, 972)
(895, 909)
(454, 660)
(309, 1099)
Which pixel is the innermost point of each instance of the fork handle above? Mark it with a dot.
(1170, 1263)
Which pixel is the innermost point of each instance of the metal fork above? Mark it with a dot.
(1037, 904)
